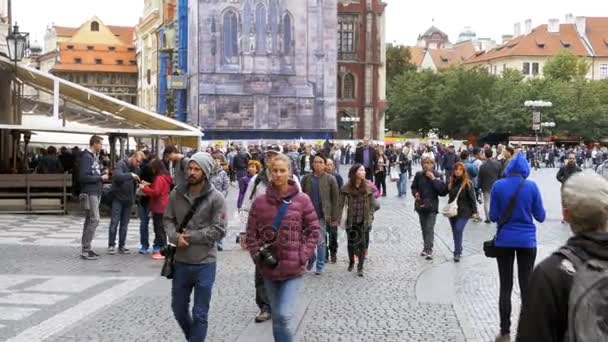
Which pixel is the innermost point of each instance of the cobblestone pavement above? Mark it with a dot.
(48, 293)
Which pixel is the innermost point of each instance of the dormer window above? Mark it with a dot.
(70, 47)
(95, 26)
(90, 47)
(131, 49)
(98, 61)
(133, 62)
(120, 62)
(565, 44)
(112, 48)
(540, 44)
(78, 60)
(444, 59)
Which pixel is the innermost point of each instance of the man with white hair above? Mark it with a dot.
(576, 274)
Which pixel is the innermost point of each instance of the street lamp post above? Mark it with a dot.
(17, 43)
(537, 115)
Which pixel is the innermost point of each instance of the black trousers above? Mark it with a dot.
(261, 297)
(332, 246)
(381, 182)
(369, 174)
(358, 241)
(525, 264)
(160, 236)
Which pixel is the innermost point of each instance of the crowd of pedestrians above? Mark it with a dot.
(292, 202)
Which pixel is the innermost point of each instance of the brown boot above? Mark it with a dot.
(503, 338)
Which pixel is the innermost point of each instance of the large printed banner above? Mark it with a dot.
(263, 65)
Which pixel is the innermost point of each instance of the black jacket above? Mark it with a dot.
(566, 172)
(240, 161)
(429, 191)
(489, 173)
(545, 315)
(449, 160)
(89, 174)
(402, 161)
(372, 156)
(123, 185)
(467, 201)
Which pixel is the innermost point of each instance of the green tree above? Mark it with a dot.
(565, 66)
(398, 59)
(412, 100)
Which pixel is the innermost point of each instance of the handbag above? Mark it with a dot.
(344, 216)
(394, 174)
(169, 251)
(451, 209)
(489, 247)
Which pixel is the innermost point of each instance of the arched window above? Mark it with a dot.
(339, 87)
(230, 41)
(349, 86)
(95, 26)
(287, 36)
(260, 28)
(273, 19)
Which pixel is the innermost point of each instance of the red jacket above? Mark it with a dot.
(297, 237)
(158, 193)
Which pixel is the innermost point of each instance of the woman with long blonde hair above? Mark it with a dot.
(461, 190)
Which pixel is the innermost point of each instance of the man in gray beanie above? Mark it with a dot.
(195, 259)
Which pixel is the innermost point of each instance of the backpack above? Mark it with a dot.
(587, 303)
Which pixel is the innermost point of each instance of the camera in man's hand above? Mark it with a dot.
(168, 251)
(264, 256)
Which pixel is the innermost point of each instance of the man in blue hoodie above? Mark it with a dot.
(90, 190)
(517, 237)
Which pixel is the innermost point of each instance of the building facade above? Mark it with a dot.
(529, 50)
(3, 25)
(263, 68)
(155, 40)
(94, 55)
(361, 78)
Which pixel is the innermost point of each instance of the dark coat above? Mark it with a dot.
(545, 315)
(298, 235)
(123, 185)
(467, 201)
(566, 172)
(489, 173)
(429, 191)
(89, 173)
(372, 156)
(328, 192)
(449, 160)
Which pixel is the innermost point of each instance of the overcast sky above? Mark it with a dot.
(406, 19)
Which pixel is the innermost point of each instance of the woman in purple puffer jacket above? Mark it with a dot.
(292, 246)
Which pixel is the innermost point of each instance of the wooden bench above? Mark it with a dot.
(35, 193)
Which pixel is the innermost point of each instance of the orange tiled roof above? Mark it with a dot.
(124, 33)
(597, 32)
(539, 42)
(63, 31)
(67, 57)
(417, 55)
(458, 54)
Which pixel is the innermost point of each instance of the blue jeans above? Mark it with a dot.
(121, 213)
(321, 249)
(187, 277)
(402, 184)
(283, 297)
(144, 220)
(458, 224)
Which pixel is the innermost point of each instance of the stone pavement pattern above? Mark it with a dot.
(48, 293)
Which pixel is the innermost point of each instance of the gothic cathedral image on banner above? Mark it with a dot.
(263, 65)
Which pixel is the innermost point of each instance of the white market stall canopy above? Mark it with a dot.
(100, 113)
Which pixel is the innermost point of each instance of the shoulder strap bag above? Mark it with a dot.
(489, 247)
(451, 209)
(169, 251)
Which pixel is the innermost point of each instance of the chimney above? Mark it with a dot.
(581, 26)
(528, 26)
(506, 38)
(569, 18)
(553, 26)
(517, 30)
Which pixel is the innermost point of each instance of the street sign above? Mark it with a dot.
(536, 117)
(177, 82)
(536, 127)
